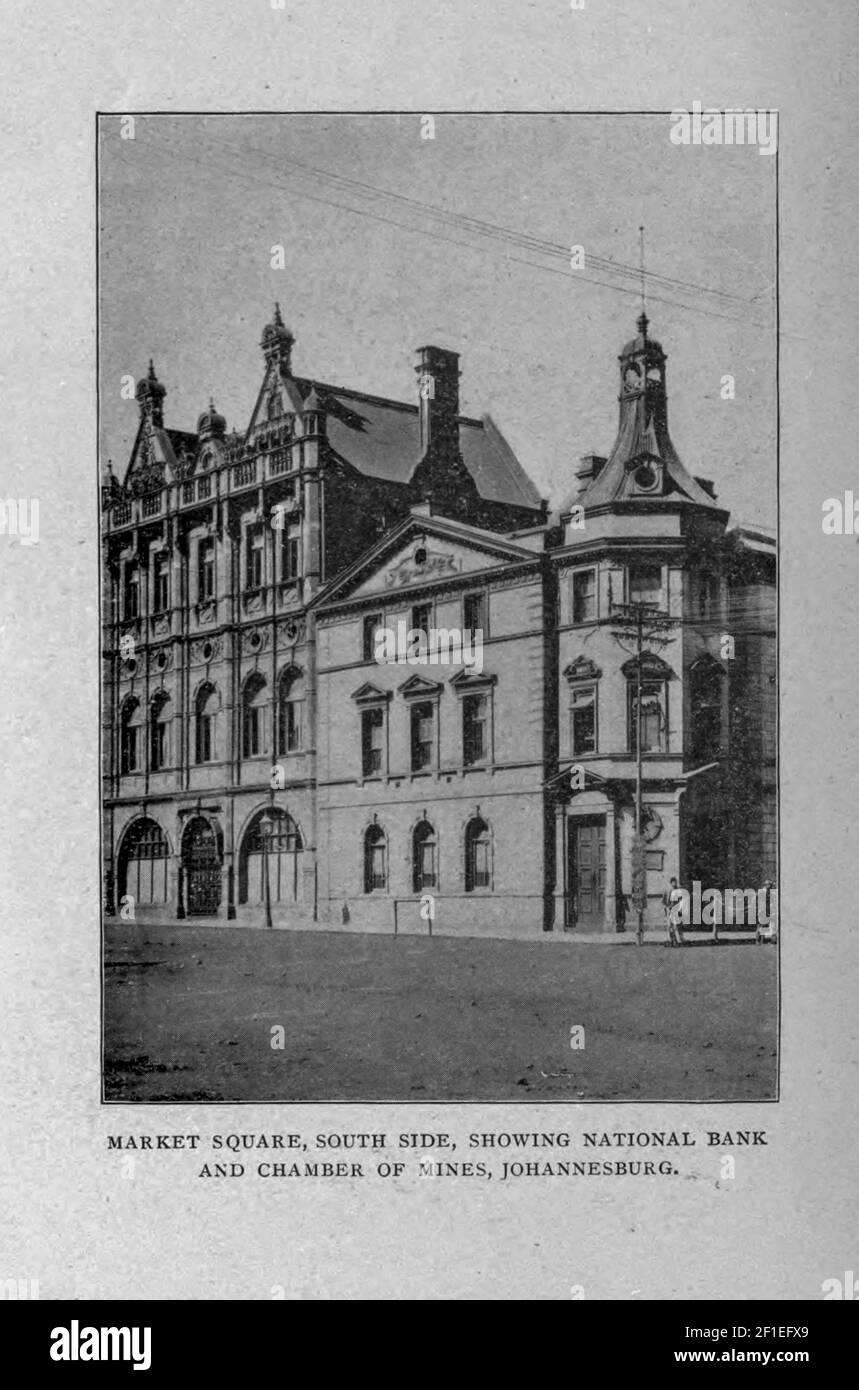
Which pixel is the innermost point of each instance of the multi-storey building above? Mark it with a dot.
(214, 546)
(263, 765)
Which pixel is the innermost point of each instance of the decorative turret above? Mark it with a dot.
(150, 397)
(643, 463)
(211, 425)
(277, 342)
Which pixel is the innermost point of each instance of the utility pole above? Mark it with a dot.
(638, 617)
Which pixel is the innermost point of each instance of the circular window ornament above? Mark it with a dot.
(208, 651)
(292, 632)
(161, 660)
(645, 477)
(131, 666)
(420, 555)
(255, 641)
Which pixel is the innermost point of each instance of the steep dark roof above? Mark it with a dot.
(381, 439)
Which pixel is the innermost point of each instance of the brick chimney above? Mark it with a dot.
(438, 392)
(591, 467)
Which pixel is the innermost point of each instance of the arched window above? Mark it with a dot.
(478, 855)
(159, 733)
(279, 850)
(130, 737)
(424, 857)
(205, 741)
(253, 717)
(290, 709)
(375, 860)
(143, 864)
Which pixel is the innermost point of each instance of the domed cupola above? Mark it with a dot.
(277, 342)
(211, 425)
(150, 397)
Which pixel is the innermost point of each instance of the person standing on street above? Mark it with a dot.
(673, 900)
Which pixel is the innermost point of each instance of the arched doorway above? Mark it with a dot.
(281, 852)
(143, 864)
(201, 861)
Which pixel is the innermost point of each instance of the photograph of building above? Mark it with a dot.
(250, 730)
(402, 682)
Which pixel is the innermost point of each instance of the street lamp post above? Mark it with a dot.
(266, 827)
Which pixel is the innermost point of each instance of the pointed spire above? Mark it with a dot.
(641, 322)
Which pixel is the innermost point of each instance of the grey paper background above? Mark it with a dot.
(72, 1221)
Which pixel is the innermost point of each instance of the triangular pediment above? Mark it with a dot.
(369, 694)
(468, 679)
(422, 552)
(416, 686)
(149, 466)
(279, 399)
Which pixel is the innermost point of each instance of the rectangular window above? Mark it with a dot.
(654, 724)
(254, 565)
(584, 596)
(583, 720)
(204, 738)
(289, 561)
(421, 617)
(645, 584)
(129, 749)
(159, 745)
(423, 717)
(132, 590)
(372, 731)
(474, 615)
(292, 729)
(253, 731)
(475, 743)
(161, 583)
(708, 595)
(206, 571)
(370, 627)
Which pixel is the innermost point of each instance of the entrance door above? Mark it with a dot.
(586, 873)
(202, 863)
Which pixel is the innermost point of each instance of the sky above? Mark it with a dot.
(191, 207)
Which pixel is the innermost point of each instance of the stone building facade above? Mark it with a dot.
(262, 765)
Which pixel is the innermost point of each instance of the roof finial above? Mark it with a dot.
(277, 318)
(151, 370)
(642, 318)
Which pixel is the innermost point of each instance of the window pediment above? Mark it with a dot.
(653, 668)
(418, 686)
(707, 665)
(369, 694)
(466, 680)
(582, 669)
